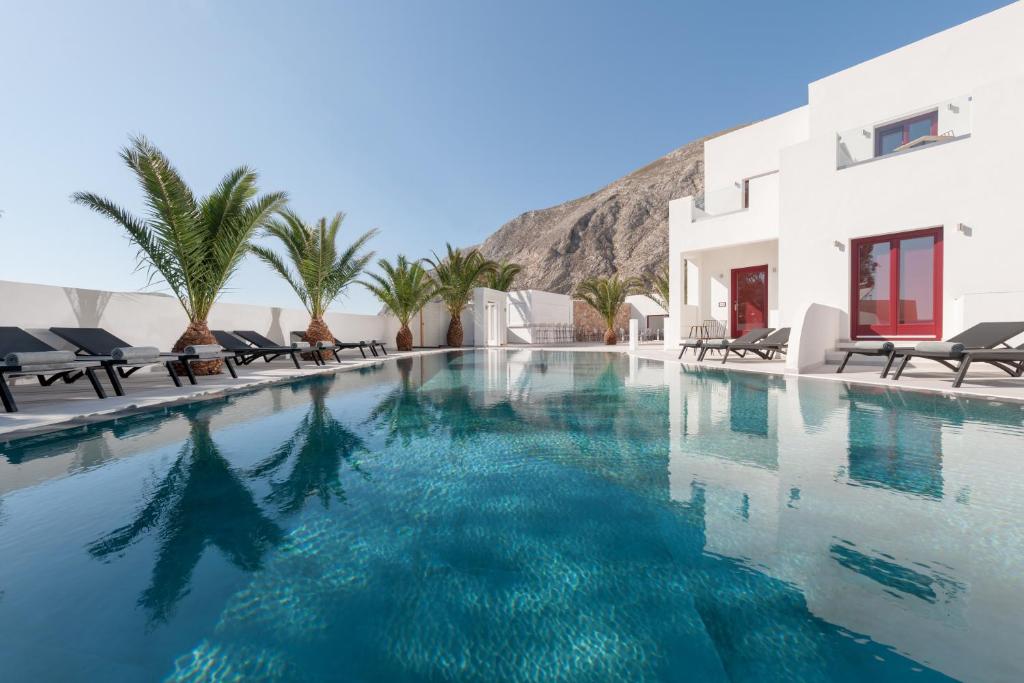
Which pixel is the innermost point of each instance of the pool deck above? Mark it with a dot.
(45, 409)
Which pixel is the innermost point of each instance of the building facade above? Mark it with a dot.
(888, 207)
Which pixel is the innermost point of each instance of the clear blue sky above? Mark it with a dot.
(433, 121)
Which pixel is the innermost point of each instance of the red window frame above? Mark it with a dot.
(895, 329)
(905, 126)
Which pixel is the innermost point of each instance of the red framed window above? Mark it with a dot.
(896, 285)
(746, 193)
(892, 136)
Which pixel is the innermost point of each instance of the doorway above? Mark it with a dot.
(749, 295)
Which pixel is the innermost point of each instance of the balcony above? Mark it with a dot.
(741, 213)
(950, 121)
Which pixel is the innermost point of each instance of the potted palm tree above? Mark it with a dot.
(606, 295)
(404, 288)
(457, 274)
(318, 273)
(502, 276)
(194, 243)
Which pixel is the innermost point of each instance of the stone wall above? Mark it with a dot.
(585, 318)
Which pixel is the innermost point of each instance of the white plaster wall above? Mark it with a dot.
(974, 181)
(156, 320)
(747, 152)
(482, 296)
(945, 65)
(641, 306)
(714, 278)
(535, 307)
(757, 223)
(527, 306)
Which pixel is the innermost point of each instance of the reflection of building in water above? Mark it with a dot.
(887, 510)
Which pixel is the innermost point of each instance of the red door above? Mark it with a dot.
(749, 299)
(897, 286)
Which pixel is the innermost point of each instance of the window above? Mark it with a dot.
(897, 285)
(746, 193)
(891, 137)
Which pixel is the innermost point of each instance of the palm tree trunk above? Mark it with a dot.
(197, 333)
(455, 331)
(610, 338)
(403, 340)
(317, 332)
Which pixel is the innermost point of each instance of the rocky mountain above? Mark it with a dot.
(622, 228)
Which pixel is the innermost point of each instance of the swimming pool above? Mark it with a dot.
(522, 516)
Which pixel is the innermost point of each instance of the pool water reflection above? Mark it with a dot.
(521, 515)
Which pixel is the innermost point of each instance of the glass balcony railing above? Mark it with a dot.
(944, 122)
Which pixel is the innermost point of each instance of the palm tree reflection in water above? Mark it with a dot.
(201, 501)
(317, 448)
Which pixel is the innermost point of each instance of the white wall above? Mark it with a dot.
(535, 307)
(641, 307)
(947, 64)
(482, 297)
(974, 181)
(156, 320)
(747, 152)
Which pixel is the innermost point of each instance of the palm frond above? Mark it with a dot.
(195, 245)
(607, 294)
(404, 287)
(317, 274)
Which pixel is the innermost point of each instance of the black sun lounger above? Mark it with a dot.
(775, 343)
(1010, 361)
(121, 360)
(339, 345)
(750, 337)
(887, 349)
(21, 354)
(694, 343)
(983, 336)
(245, 352)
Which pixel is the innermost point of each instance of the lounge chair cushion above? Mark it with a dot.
(325, 345)
(136, 354)
(940, 347)
(46, 368)
(693, 342)
(40, 358)
(300, 345)
(204, 350)
(717, 343)
(884, 346)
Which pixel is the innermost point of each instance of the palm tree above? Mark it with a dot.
(658, 286)
(404, 289)
(195, 244)
(503, 275)
(457, 274)
(319, 274)
(606, 295)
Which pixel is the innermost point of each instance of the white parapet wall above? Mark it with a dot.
(144, 319)
(531, 307)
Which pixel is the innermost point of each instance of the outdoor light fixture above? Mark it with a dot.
(965, 229)
(839, 245)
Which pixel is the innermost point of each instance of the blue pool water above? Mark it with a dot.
(522, 516)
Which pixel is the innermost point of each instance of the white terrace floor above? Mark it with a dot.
(43, 409)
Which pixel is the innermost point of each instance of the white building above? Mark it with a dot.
(887, 207)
